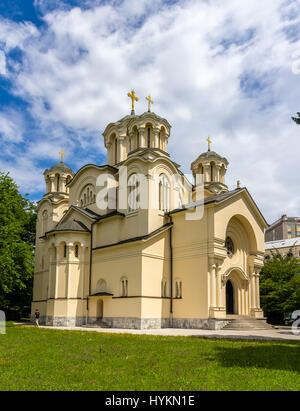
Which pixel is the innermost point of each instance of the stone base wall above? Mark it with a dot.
(136, 323)
(200, 324)
(61, 321)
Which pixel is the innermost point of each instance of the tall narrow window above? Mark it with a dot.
(164, 288)
(149, 137)
(57, 183)
(164, 193)
(133, 194)
(178, 289)
(211, 173)
(65, 251)
(76, 251)
(116, 150)
(45, 221)
(124, 287)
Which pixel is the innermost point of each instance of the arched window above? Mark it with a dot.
(76, 250)
(211, 173)
(149, 137)
(133, 192)
(164, 193)
(164, 288)
(45, 221)
(124, 287)
(57, 183)
(178, 289)
(87, 196)
(65, 251)
(116, 150)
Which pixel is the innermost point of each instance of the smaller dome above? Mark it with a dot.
(62, 167)
(212, 154)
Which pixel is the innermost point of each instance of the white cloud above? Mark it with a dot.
(2, 63)
(218, 68)
(11, 127)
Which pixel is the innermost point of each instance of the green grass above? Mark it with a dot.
(43, 359)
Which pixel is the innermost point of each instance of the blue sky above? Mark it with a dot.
(229, 69)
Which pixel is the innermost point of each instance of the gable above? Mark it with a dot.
(78, 215)
(242, 207)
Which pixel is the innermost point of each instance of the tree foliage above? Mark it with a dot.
(297, 119)
(17, 236)
(280, 286)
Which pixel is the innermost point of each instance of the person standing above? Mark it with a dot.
(37, 316)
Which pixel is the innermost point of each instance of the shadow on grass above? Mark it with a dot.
(285, 356)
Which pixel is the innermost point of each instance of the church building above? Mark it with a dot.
(173, 254)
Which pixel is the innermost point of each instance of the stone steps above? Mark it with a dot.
(98, 324)
(246, 323)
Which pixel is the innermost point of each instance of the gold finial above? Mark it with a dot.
(133, 99)
(209, 143)
(149, 102)
(62, 155)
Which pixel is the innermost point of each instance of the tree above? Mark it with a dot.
(280, 286)
(17, 232)
(297, 120)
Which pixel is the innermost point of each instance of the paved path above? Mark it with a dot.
(282, 333)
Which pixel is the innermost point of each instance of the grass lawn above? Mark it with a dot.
(42, 359)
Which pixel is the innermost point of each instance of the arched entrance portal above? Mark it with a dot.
(229, 298)
(100, 309)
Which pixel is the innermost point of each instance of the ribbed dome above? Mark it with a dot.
(209, 154)
(61, 167)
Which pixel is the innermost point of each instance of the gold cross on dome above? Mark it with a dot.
(149, 102)
(133, 99)
(62, 155)
(209, 143)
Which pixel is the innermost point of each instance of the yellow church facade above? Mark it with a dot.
(135, 244)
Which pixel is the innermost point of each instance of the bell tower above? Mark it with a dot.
(213, 167)
(134, 133)
(57, 177)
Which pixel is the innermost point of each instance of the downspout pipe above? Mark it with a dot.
(171, 271)
(91, 263)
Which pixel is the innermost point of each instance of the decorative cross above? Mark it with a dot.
(133, 99)
(209, 143)
(62, 155)
(149, 102)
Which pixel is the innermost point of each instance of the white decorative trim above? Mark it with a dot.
(229, 271)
